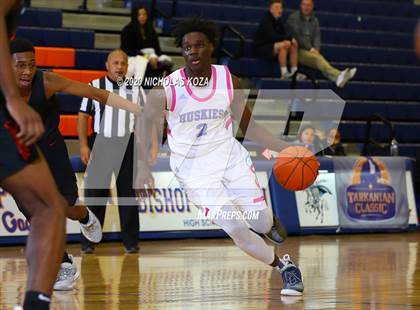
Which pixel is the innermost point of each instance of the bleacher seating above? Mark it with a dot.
(42, 18)
(68, 125)
(54, 57)
(366, 72)
(57, 37)
(375, 36)
(81, 75)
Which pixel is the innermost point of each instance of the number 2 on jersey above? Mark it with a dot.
(202, 129)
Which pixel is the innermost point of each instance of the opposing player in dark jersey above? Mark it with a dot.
(26, 176)
(38, 89)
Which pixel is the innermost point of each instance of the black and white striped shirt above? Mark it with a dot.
(108, 121)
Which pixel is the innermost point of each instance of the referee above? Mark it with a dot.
(112, 152)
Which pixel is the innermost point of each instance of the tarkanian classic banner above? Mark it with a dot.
(371, 192)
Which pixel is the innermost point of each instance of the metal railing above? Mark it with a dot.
(222, 51)
(373, 147)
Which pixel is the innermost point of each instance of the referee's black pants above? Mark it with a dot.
(113, 156)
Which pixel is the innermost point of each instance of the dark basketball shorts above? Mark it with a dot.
(14, 156)
(55, 152)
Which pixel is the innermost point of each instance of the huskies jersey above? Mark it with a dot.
(199, 118)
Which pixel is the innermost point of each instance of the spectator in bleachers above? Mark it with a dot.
(273, 42)
(306, 136)
(304, 27)
(139, 40)
(336, 148)
(312, 138)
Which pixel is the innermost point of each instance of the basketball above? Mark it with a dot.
(296, 168)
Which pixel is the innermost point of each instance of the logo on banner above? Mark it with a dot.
(166, 200)
(9, 220)
(316, 203)
(370, 197)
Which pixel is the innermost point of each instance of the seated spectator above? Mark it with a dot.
(311, 138)
(304, 27)
(139, 40)
(272, 41)
(306, 137)
(336, 148)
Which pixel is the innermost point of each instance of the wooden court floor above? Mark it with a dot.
(377, 271)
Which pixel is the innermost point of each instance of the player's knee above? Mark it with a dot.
(236, 230)
(266, 225)
(51, 210)
(266, 229)
(56, 207)
(263, 223)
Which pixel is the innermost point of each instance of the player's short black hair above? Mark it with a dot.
(195, 24)
(21, 46)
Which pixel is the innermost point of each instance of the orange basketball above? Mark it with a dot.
(296, 168)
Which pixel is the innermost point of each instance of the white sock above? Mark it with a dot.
(293, 70)
(284, 70)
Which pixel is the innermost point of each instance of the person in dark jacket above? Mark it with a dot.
(139, 38)
(273, 42)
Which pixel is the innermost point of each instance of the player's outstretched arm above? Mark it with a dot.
(145, 131)
(154, 146)
(55, 83)
(248, 125)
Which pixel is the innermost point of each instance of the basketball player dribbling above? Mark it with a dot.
(214, 169)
